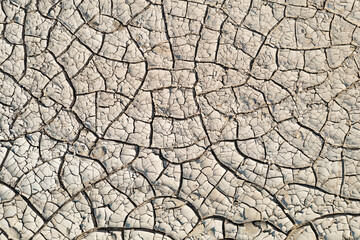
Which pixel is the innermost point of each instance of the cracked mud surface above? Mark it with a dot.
(166, 119)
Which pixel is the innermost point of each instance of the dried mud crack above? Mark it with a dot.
(173, 119)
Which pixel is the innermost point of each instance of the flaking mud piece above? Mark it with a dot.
(172, 119)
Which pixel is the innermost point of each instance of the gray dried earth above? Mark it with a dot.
(172, 119)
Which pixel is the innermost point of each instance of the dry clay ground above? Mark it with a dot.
(170, 119)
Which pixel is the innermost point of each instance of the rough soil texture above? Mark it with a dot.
(167, 119)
